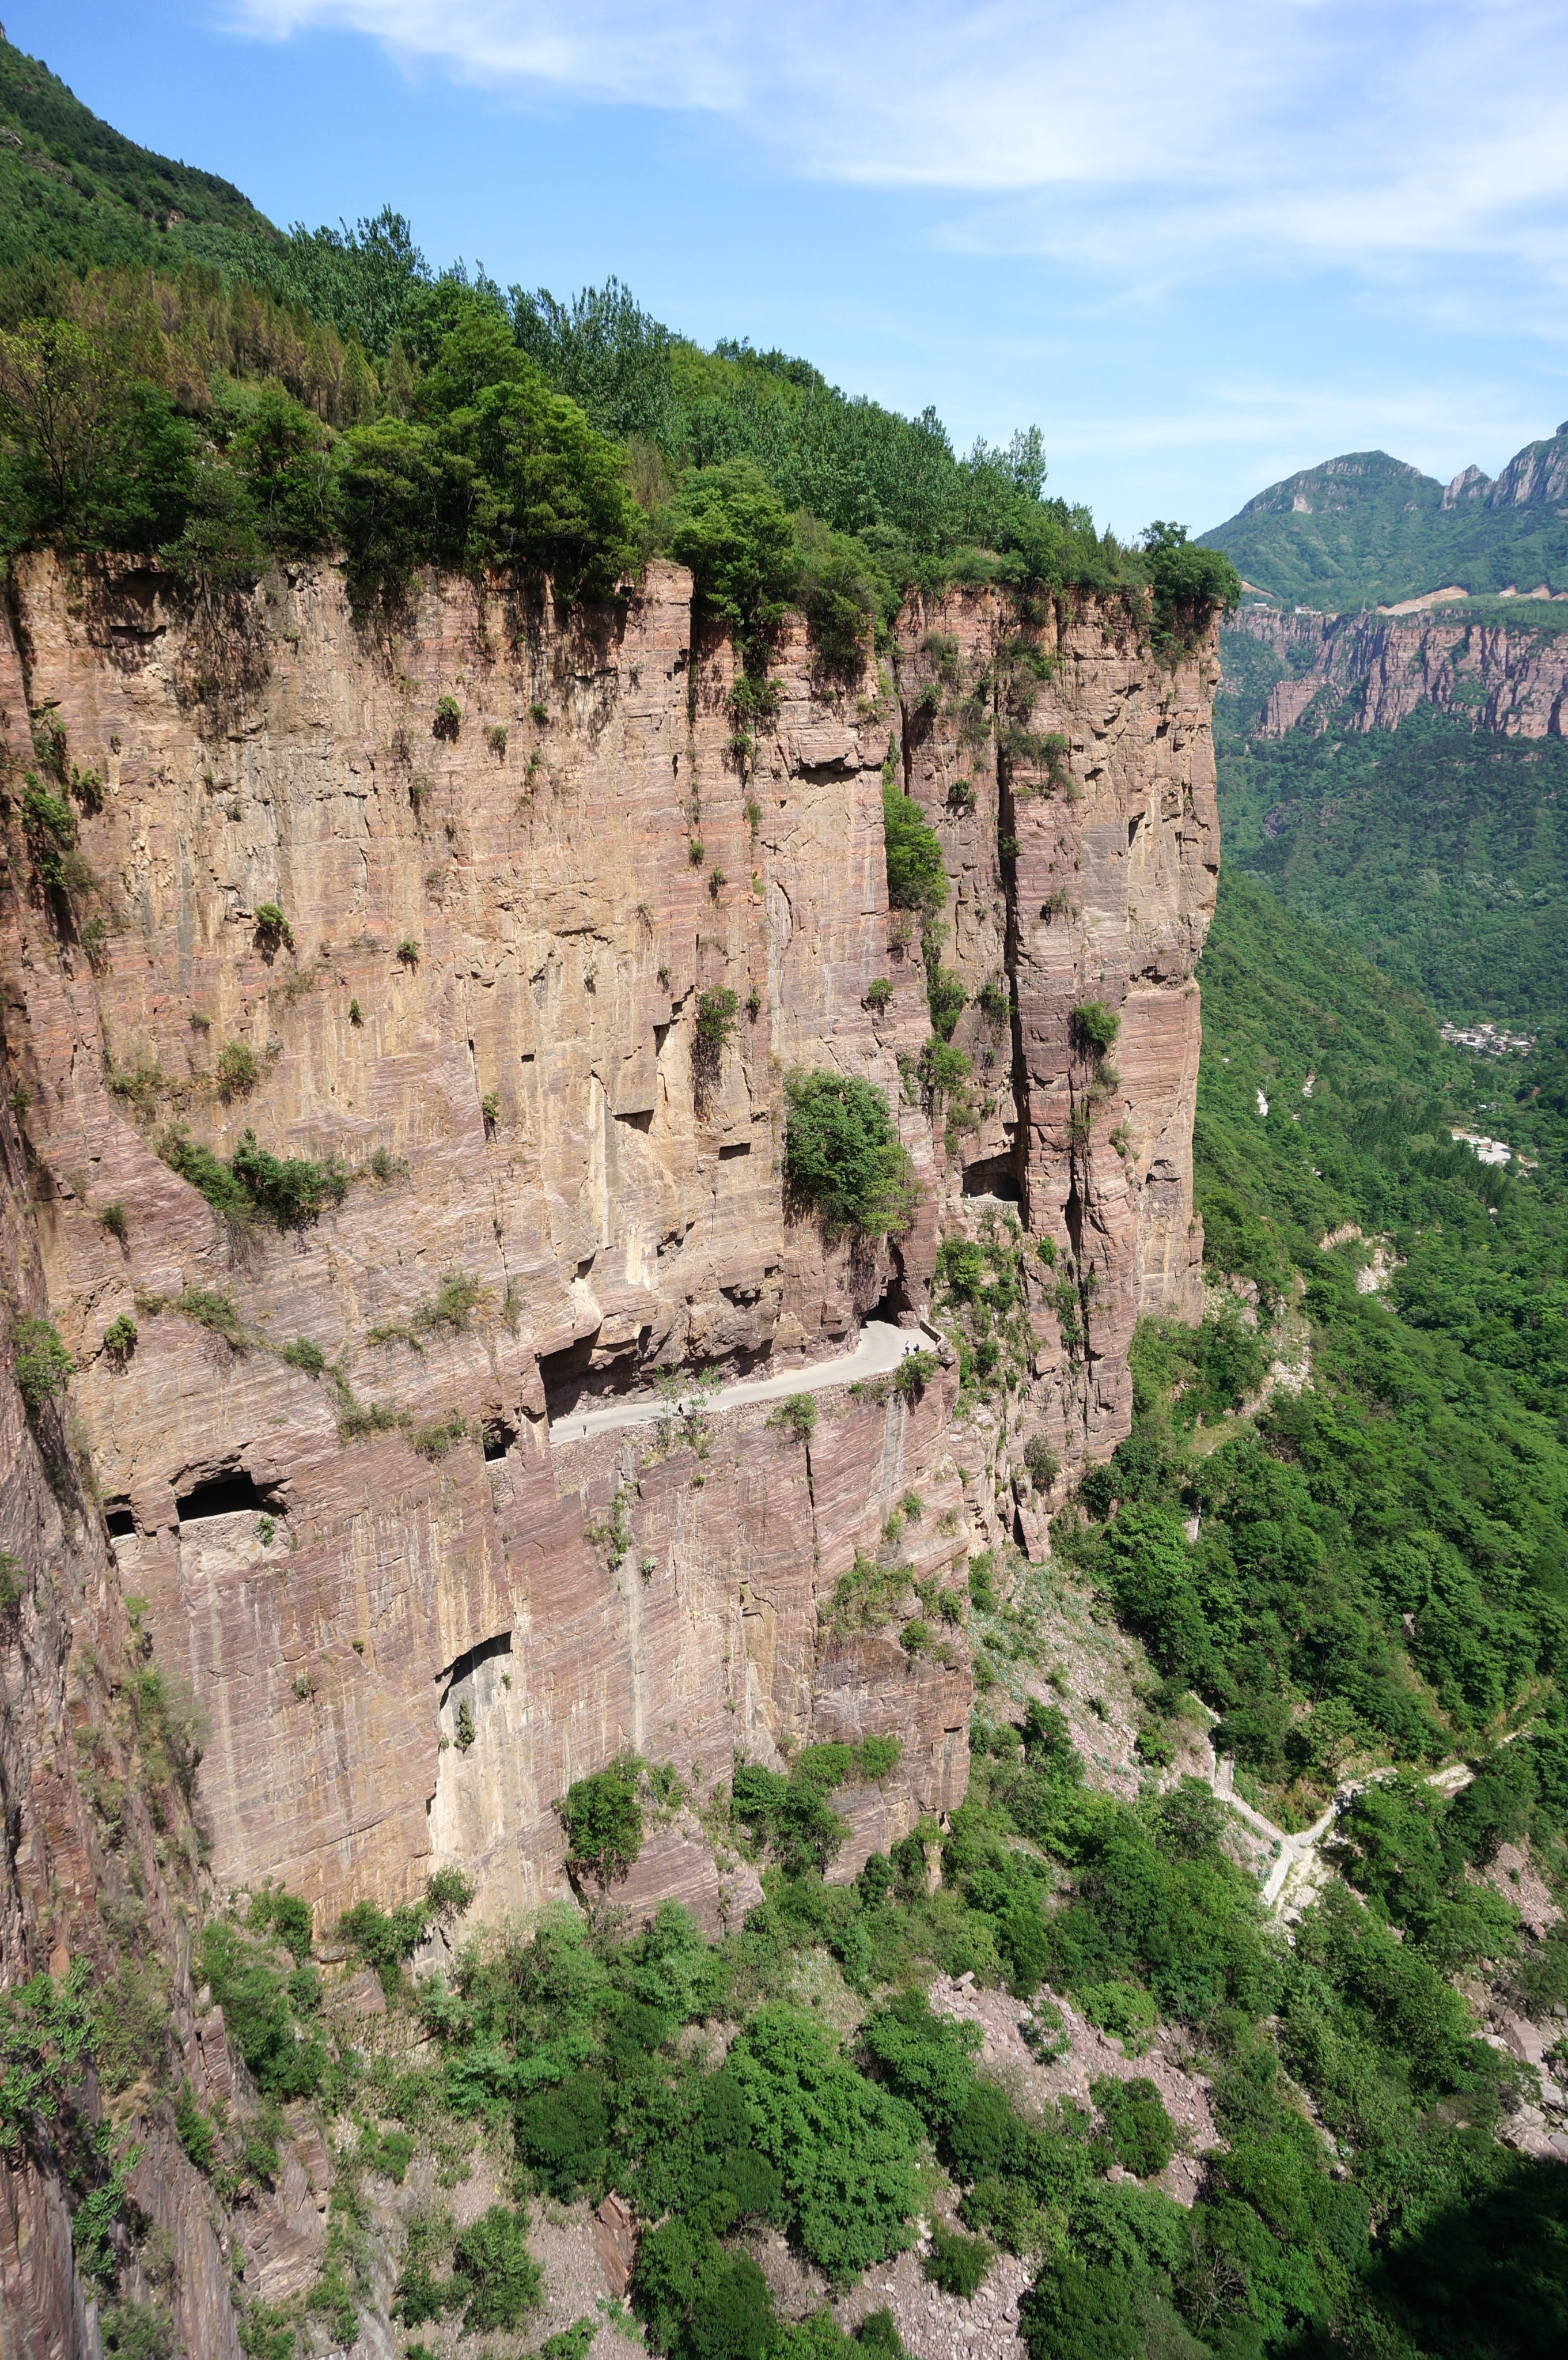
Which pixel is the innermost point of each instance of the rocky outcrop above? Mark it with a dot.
(440, 911)
(1072, 782)
(100, 1852)
(1371, 672)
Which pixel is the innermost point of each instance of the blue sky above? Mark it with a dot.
(1200, 245)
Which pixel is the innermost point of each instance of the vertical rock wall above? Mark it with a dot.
(100, 1854)
(503, 912)
(1071, 780)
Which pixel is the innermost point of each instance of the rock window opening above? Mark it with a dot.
(226, 1495)
(121, 1524)
(994, 1177)
(498, 1439)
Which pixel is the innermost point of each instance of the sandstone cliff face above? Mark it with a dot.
(487, 1011)
(100, 1855)
(1506, 677)
(1073, 783)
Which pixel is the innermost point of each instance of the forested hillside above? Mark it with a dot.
(1366, 531)
(74, 190)
(263, 395)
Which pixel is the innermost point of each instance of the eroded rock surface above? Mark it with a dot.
(467, 961)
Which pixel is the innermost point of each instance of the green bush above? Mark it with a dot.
(1094, 1028)
(43, 1366)
(1137, 2124)
(496, 2272)
(283, 1913)
(562, 2134)
(845, 2149)
(946, 1000)
(290, 1190)
(602, 1819)
(799, 1414)
(915, 1372)
(792, 1815)
(923, 2057)
(1042, 1461)
(238, 1069)
(957, 2263)
(135, 2331)
(917, 876)
(120, 1337)
(716, 1026)
(387, 1940)
(842, 1155)
(261, 2004)
(272, 927)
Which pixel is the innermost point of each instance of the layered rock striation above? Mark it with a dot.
(1371, 672)
(502, 922)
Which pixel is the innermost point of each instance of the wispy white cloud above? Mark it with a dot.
(1139, 135)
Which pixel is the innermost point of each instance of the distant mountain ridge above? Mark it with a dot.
(1366, 529)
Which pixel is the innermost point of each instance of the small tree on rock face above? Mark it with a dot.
(717, 1023)
(43, 1364)
(1095, 1028)
(842, 1155)
(603, 1820)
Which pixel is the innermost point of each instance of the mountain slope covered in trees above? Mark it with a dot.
(1365, 530)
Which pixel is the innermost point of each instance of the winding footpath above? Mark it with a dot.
(881, 1346)
(1299, 1870)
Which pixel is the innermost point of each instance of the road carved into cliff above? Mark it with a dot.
(881, 1348)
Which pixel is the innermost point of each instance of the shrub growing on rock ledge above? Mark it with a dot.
(843, 1156)
(602, 1819)
(1095, 1028)
(43, 1364)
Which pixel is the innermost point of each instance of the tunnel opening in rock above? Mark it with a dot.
(993, 1176)
(498, 1437)
(894, 1300)
(119, 1523)
(570, 1380)
(225, 1495)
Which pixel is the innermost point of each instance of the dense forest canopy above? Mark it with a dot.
(177, 376)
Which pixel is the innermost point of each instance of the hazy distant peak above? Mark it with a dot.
(1537, 475)
(1337, 484)
(1469, 483)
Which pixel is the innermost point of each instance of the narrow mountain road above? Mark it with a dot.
(881, 1348)
(1299, 1870)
